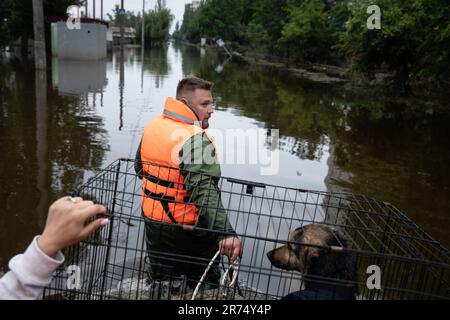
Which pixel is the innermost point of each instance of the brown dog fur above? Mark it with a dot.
(316, 250)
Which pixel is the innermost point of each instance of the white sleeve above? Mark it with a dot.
(29, 273)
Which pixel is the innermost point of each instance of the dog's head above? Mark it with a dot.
(315, 249)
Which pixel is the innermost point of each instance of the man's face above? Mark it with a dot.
(201, 101)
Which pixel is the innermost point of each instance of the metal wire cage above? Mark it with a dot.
(114, 262)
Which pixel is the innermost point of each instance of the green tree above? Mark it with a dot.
(307, 29)
(16, 19)
(313, 28)
(21, 22)
(130, 18)
(413, 42)
(177, 33)
(256, 35)
(270, 16)
(5, 15)
(221, 19)
(189, 28)
(157, 24)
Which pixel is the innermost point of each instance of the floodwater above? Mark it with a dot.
(57, 129)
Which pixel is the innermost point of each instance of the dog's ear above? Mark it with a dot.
(347, 261)
(309, 250)
(310, 255)
(296, 235)
(339, 239)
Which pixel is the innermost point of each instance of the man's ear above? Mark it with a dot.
(184, 100)
(189, 104)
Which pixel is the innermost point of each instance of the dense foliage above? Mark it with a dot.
(413, 42)
(157, 22)
(16, 18)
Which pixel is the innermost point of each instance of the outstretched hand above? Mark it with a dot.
(231, 247)
(66, 224)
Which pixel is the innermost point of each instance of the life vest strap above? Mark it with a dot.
(164, 200)
(158, 181)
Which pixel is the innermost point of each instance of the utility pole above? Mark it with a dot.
(143, 24)
(142, 45)
(93, 7)
(122, 21)
(39, 35)
(101, 10)
(40, 64)
(122, 62)
(86, 9)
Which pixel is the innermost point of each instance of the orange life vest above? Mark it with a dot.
(164, 195)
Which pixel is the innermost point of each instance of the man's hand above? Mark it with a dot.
(66, 224)
(231, 247)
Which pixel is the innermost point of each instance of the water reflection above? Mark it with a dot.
(52, 137)
(48, 142)
(394, 151)
(77, 78)
(41, 139)
(156, 63)
(121, 84)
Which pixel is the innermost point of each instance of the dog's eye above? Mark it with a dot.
(292, 249)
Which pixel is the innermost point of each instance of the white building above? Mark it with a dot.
(129, 35)
(88, 42)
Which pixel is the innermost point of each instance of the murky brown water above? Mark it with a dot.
(57, 129)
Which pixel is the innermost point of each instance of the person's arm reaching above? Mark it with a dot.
(32, 271)
(29, 273)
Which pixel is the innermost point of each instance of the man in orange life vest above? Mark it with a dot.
(181, 199)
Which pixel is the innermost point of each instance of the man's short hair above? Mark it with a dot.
(190, 84)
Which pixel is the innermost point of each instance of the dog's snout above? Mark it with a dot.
(270, 255)
(276, 258)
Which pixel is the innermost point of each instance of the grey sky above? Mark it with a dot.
(175, 6)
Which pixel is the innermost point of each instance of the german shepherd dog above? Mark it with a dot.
(316, 251)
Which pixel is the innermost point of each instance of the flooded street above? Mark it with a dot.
(55, 136)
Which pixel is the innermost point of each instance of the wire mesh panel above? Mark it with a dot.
(297, 244)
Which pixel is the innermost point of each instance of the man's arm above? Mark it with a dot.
(199, 181)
